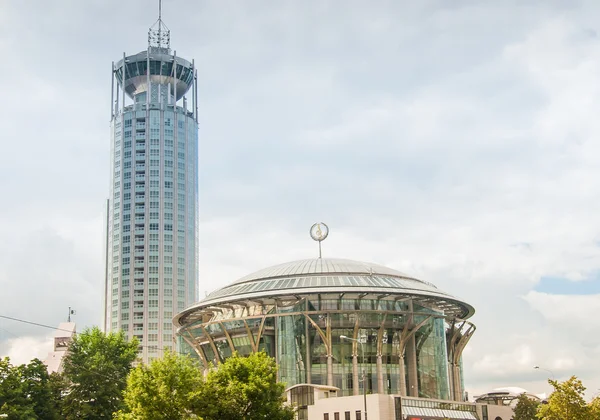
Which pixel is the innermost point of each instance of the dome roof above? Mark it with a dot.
(329, 276)
(320, 266)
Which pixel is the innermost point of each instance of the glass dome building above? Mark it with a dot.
(329, 321)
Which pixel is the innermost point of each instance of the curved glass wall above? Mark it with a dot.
(157, 68)
(400, 346)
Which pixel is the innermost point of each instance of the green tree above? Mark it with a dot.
(244, 388)
(565, 402)
(167, 389)
(26, 391)
(96, 368)
(58, 388)
(594, 409)
(526, 408)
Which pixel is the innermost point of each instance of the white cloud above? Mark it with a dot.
(567, 312)
(455, 143)
(23, 349)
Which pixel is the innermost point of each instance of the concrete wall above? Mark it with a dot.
(505, 413)
(379, 407)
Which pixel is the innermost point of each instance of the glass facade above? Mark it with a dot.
(152, 263)
(305, 336)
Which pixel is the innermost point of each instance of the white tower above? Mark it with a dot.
(152, 223)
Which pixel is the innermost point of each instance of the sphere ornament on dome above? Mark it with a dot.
(319, 232)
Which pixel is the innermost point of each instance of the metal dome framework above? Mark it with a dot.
(413, 332)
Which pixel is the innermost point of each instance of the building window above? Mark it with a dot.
(326, 416)
(358, 415)
(336, 416)
(347, 415)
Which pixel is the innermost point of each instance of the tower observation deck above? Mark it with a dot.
(152, 209)
(156, 70)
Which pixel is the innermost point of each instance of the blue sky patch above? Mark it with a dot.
(563, 286)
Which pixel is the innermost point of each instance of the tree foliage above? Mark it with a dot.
(245, 388)
(526, 408)
(594, 409)
(167, 389)
(26, 391)
(96, 368)
(174, 388)
(565, 402)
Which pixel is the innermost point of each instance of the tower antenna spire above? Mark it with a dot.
(159, 36)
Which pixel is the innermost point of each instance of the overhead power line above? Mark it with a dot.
(37, 324)
(33, 323)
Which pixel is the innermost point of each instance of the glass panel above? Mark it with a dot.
(179, 70)
(431, 360)
(318, 360)
(155, 67)
(342, 359)
(223, 349)
(132, 70)
(209, 353)
(291, 336)
(167, 69)
(242, 345)
(142, 67)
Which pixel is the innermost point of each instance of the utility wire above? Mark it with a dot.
(37, 324)
(33, 323)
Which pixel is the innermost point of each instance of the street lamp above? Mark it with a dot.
(547, 370)
(364, 373)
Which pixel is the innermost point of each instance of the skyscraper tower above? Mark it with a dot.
(152, 218)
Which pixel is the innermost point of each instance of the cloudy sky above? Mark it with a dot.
(454, 141)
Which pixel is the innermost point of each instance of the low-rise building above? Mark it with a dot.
(62, 337)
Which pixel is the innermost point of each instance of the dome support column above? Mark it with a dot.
(326, 337)
(250, 337)
(457, 336)
(329, 352)
(212, 344)
(196, 348)
(355, 383)
(308, 354)
(402, 376)
(227, 337)
(380, 389)
(407, 336)
(411, 365)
